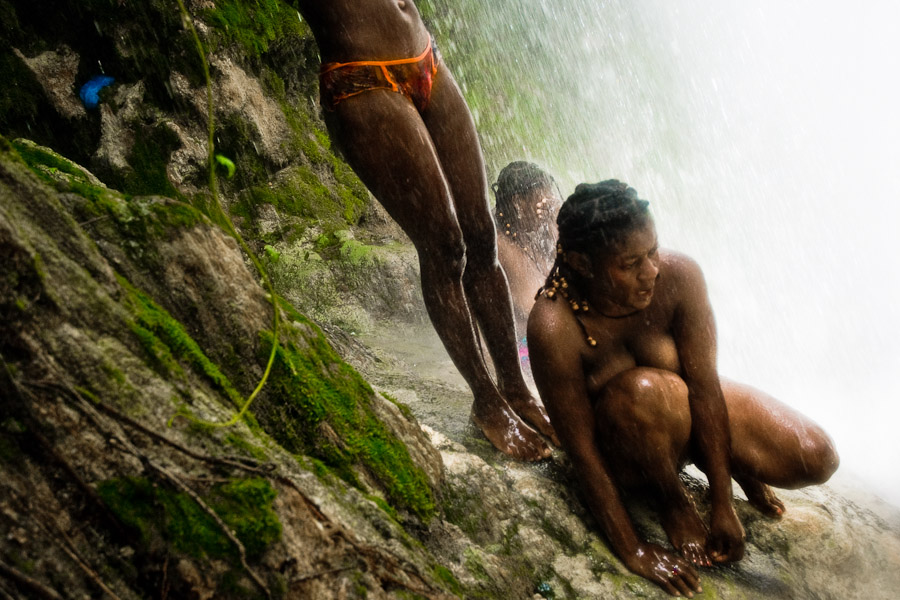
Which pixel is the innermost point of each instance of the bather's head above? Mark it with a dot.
(527, 200)
(607, 249)
(597, 217)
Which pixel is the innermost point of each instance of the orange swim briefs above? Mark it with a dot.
(412, 77)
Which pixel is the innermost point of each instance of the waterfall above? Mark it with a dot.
(766, 136)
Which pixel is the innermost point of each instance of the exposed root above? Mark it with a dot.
(27, 582)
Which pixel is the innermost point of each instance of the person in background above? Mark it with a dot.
(527, 200)
(398, 116)
(623, 352)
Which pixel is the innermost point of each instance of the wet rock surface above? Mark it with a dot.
(510, 517)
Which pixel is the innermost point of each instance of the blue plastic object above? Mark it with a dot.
(90, 92)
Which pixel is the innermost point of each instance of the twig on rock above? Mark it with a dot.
(25, 581)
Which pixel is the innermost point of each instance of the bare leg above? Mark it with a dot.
(388, 146)
(644, 425)
(773, 444)
(456, 142)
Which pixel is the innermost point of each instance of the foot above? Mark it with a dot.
(686, 530)
(761, 497)
(532, 411)
(507, 431)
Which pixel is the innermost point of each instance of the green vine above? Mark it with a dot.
(227, 224)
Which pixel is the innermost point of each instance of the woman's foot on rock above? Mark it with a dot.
(686, 530)
(507, 431)
(532, 411)
(761, 497)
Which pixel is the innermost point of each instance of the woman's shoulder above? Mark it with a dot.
(680, 267)
(551, 318)
(682, 280)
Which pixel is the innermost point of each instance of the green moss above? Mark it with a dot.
(357, 254)
(158, 352)
(113, 373)
(137, 219)
(560, 534)
(88, 394)
(244, 505)
(446, 577)
(36, 156)
(246, 447)
(404, 408)
(387, 508)
(165, 339)
(255, 24)
(148, 159)
(474, 562)
(174, 215)
(61, 173)
(301, 193)
(314, 393)
(461, 509)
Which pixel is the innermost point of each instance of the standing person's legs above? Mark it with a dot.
(456, 141)
(387, 144)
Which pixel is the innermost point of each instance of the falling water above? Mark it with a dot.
(765, 135)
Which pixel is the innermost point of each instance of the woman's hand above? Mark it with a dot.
(726, 536)
(666, 569)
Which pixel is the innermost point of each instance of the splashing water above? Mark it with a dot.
(767, 139)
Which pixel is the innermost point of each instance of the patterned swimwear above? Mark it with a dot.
(524, 359)
(412, 77)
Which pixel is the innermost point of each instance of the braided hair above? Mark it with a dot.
(595, 219)
(527, 224)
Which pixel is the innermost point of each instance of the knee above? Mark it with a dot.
(821, 460)
(442, 251)
(481, 243)
(644, 396)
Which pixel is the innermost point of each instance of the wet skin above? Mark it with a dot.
(647, 399)
(427, 170)
(525, 274)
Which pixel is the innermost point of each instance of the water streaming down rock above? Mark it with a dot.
(765, 137)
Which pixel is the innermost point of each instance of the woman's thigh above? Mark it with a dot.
(774, 443)
(386, 142)
(644, 423)
(455, 139)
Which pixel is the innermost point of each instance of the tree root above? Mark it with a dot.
(25, 581)
(382, 564)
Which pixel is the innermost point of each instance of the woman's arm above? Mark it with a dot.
(554, 344)
(694, 331)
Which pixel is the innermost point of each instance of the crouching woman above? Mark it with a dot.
(623, 350)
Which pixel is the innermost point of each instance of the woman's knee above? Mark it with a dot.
(820, 459)
(481, 240)
(441, 250)
(645, 397)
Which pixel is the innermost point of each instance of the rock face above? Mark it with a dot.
(132, 325)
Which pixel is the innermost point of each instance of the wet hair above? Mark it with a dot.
(526, 223)
(599, 216)
(594, 220)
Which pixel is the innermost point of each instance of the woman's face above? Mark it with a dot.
(627, 276)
